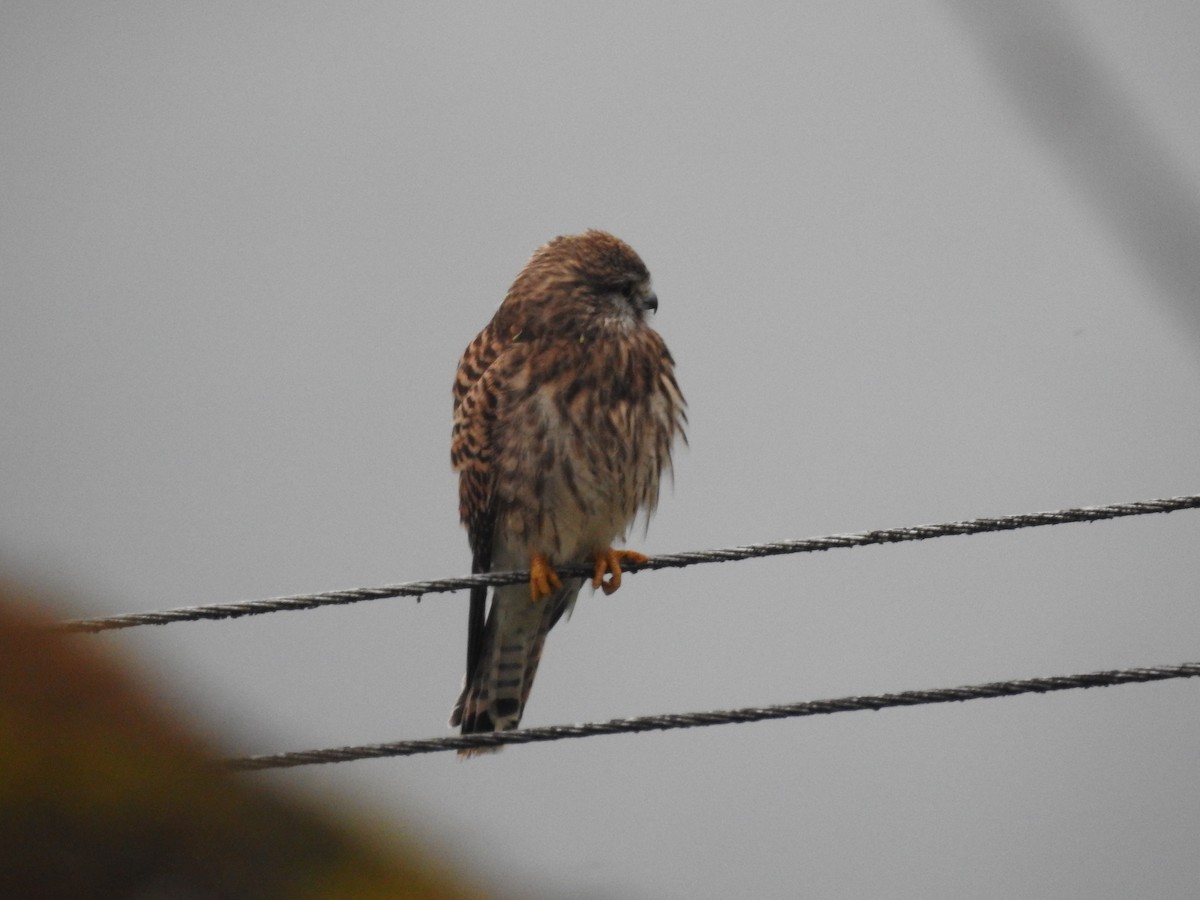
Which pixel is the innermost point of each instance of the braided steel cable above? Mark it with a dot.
(669, 561)
(718, 717)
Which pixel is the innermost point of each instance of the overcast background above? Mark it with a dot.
(916, 262)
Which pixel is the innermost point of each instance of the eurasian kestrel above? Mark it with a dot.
(565, 409)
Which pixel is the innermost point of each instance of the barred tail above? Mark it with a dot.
(494, 694)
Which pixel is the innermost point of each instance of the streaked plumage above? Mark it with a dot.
(565, 410)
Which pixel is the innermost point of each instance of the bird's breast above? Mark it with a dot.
(587, 452)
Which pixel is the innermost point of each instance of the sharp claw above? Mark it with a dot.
(609, 562)
(543, 580)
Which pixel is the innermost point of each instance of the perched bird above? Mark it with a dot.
(565, 410)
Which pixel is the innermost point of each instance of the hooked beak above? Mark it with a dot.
(650, 302)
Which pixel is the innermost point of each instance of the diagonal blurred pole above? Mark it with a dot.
(1075, 106)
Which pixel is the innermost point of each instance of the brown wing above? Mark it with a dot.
(472, 453)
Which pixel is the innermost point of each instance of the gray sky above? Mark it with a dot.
(916, 262)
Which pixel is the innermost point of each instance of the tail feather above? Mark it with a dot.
(494, 695)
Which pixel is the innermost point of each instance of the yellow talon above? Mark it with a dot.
(609, 561)
(543, 580)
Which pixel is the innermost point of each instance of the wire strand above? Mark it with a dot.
(718, 717)
(676, 560)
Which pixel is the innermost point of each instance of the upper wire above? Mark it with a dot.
(668, 561)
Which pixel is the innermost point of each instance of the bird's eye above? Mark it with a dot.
(627, 291)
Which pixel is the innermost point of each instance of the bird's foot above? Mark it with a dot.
(543, 580)
(609, 562)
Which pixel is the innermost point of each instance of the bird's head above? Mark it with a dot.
(595, 269)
